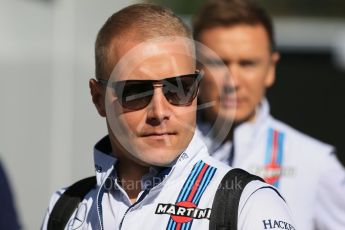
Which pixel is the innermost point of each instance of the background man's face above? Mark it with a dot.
(245, 51)
(159, 132)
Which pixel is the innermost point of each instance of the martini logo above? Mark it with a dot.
(272, 173)
(183, 212)
(274, 157)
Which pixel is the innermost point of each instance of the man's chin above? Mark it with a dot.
(244, 117)
(227, 115)
(159, 158)
(161, 163)
(233, 116)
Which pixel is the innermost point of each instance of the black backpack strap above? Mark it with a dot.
(226, 201)
(68, 202)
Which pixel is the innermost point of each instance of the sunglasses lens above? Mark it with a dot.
(134, 95)
(137, 94)
(181, 90)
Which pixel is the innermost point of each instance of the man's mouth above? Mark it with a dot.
(158, 135)
(230, 102)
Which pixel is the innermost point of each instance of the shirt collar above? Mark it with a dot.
(247, 129)
(105, 161)
(243, 132)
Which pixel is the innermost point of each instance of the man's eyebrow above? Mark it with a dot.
(251, 60)
(210, 60)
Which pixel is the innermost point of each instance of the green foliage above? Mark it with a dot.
(319, 8)
(181, 6)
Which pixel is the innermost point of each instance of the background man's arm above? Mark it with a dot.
(330, 200)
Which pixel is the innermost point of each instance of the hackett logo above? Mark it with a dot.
(183, 212)
(276, 224)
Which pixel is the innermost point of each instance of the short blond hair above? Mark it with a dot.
(146, 21)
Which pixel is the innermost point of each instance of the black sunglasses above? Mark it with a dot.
(137, 94)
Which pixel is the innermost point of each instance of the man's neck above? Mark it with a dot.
(130, 175)
(129, 172)
(233, 125)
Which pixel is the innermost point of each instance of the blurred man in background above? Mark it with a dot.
(8, 215)
(304, 169)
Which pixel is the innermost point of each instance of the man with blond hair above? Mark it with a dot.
(152, 170)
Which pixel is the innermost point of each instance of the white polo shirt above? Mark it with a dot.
(304, 169)
(177, 197)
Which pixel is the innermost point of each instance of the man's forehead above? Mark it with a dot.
(238, 33)
(141, 49)
(163, 54)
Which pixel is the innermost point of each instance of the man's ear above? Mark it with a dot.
(97, 94)
(271, 75)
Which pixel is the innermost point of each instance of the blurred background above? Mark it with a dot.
(48, 124)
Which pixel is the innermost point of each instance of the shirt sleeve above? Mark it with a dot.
(330, 198)
(264, 209)
(52, 202)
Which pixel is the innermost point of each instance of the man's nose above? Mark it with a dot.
(158, 109)
(231, 79)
